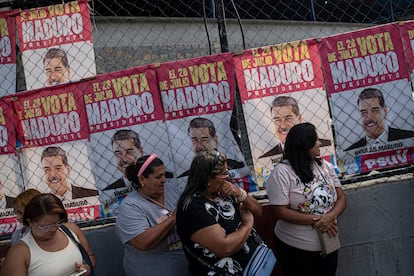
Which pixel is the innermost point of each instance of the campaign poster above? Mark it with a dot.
(7, 124)
(280, 86)
(7, 54)
(198, 98)
(11, 183)
(51, 115)
(125, 117)
(56, 44)
(53, 129)
(407, 36)
(370, 97)
(64, 169)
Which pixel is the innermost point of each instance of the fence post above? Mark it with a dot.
(221, 23)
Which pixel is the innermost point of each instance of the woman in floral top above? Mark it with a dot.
(307, 196)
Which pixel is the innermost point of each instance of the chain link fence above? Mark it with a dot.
(130, 34)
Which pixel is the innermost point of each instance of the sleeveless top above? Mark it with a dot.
(43, 262)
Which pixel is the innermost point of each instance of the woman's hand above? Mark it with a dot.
(327, 223)
(229, 189)
(170, 215)
(333, 230)
(81, 267)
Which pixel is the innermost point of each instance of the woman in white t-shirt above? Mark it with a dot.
(46, 249)
(307, 196)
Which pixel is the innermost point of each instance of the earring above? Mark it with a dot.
(208, 185)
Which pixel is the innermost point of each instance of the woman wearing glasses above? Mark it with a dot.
(215, 218)
(146, 222)
(47, 249)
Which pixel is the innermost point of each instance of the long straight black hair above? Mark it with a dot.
(299, 140)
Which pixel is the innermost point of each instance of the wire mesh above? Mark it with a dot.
(129, 34)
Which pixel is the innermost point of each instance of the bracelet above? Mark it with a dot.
(242, 196)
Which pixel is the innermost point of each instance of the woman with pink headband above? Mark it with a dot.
(146, 222)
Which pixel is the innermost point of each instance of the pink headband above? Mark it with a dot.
(146, 164)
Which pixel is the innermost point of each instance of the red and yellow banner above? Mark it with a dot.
(278, 69)
(197, 86)
(364, 58)
(50, 116)
(121, 99)
(7, 54)
(367, 81)
(54, 25)
(281, 85)
(407, 36)
(56, 44)
(7, 133)
(7, 38)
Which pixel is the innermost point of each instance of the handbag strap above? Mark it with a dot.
(257, 237)
(85, 255)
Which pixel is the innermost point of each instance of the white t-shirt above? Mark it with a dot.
(43, 262)
(316, 197)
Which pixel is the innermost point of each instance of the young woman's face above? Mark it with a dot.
(315, 151)
(46, 227)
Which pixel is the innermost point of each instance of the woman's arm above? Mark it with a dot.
(153, 235)
(17, 260)
(327, 222)
(82, 240)
(215, 239)
(253, 205)
(283, 212)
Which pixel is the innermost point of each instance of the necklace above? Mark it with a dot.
(322, 175)
(156, 203)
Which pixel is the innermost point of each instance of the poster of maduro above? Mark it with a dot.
(370, 97)
(53, 129)
(56, 44)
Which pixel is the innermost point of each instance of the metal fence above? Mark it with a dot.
(134, 33)
(370, 11)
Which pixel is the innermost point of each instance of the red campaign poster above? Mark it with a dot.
(7, 54)
(407, 36)
(51, 115)
(7, 124)
(65, 170)
(56, 44)
(278, 69)
(370, 97)
(126, 120)
(11, 183)
(198, 97)
(281, 85)
(54, 131)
